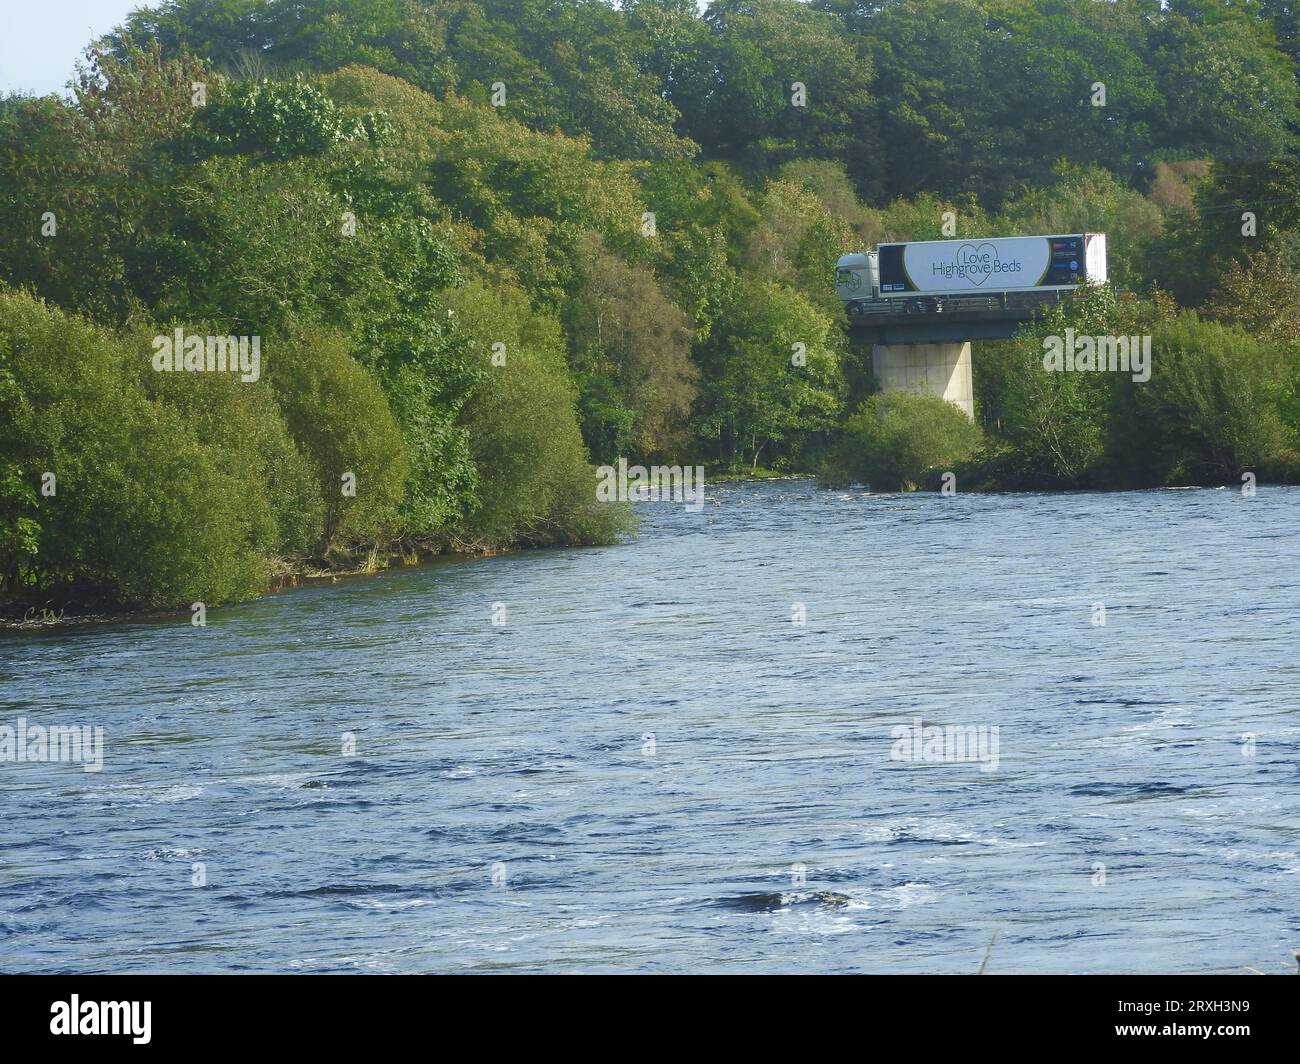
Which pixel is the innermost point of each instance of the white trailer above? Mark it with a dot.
(933, 275)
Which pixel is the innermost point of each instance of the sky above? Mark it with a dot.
(41, 40)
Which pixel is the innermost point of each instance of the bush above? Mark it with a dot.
(536, 486)
(147, 509)
(1211, 409)
(242, 421)
(895, 439)
(340, 418)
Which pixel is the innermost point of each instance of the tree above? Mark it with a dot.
(946, 82)
(632, 352)
(1058, 422)
(1230, 93)
(1092, 200)
(275, 121)
(340, 418)
(749, 111)
(1261, 294)
(1238, 207)
(758, 396)
(797, 241)
(259, 37)
(1070, 54)
(535, 484)
(146, 509)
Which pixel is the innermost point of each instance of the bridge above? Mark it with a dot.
(947, 327)
(923, 344)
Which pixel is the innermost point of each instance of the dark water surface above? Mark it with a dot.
(767, 827)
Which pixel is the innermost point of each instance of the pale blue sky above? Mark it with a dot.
(41, 40)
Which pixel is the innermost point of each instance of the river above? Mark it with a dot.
(650, 766)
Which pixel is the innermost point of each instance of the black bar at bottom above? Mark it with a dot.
(334, 1014)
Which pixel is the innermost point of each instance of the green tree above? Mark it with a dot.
(1092, 200)
(1238, 206)
(624, 330)
(1211, 410)
(758, 397)
(145, 510)
(797, 241)
(1070, 54)
(1057, 421)
(1261, 294)
(759, 50)
(340, 418)
(242, 37)
(944, 84)
(1230, 93)
(275, 120)
(535, 484)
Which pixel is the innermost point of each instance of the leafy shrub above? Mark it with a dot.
(147, 510)
(339, 416)
(896, 438)
(1211, 408)
(535, 483)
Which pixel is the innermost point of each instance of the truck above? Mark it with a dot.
(937, 276)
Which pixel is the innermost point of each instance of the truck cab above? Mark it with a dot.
(857, 280)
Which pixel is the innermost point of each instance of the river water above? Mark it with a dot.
(650, 766)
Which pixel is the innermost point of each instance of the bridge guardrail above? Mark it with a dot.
(921, 304)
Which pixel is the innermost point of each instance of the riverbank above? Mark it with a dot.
(75, 606)
(46, 611)
(73, 609)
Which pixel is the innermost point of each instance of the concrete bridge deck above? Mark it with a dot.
(932, 320)
(943, 327)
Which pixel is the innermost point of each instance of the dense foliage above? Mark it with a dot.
(897, 441)
(488, 243)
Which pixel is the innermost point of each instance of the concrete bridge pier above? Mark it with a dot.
(942, 369)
